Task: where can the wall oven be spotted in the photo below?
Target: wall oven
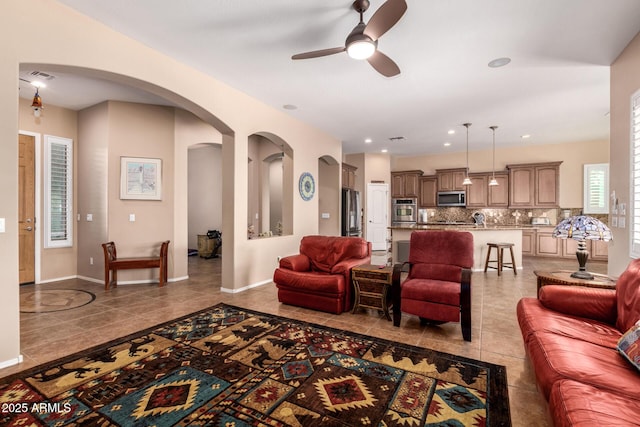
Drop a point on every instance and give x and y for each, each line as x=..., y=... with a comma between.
x=404, y=211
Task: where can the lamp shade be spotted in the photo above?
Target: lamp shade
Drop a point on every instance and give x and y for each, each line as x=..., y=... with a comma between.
x=582, y=227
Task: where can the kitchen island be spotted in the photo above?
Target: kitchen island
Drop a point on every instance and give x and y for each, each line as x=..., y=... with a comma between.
x=481, y=236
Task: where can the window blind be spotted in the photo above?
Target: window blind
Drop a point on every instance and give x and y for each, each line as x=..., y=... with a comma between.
x=58, y=187
x=596, y=188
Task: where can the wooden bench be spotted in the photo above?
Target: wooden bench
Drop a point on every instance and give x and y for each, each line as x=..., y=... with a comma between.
x=112, y=264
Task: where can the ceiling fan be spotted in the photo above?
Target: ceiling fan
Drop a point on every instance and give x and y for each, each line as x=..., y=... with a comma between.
x=362, y=42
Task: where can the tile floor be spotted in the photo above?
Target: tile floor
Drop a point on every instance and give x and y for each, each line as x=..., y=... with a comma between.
x=495, y=333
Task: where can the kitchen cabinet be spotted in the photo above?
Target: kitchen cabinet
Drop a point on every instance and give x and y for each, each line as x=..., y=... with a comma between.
x=534, y=185
x=546, y=244
x=405, y=183
x=478, y=191
x=481, y=195
x=529, y=242
x=451, y=179
x=598, y=250
x=348, y=176
x=499, y=194
x=428, y=191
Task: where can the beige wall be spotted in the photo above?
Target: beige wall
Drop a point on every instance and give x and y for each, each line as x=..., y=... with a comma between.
x=625, y=81
x=54, y=262
x=101, y=52
x=573, y=156
x=329, y=196
x=205, y=191
x=93, y=164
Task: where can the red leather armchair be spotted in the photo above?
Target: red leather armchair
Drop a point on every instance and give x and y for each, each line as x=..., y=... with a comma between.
x=438, y=287
x=319, y=277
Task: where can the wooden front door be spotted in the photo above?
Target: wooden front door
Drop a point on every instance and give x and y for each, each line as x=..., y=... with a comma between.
x=26, y=208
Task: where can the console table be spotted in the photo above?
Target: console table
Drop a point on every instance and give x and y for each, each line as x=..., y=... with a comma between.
x=372, y=283
x=563, y=277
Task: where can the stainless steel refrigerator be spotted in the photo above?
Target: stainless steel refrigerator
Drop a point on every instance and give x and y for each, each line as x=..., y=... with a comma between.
x=351, y=213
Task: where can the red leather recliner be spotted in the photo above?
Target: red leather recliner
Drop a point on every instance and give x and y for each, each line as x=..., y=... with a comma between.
x=319, y=277
x=438, y=288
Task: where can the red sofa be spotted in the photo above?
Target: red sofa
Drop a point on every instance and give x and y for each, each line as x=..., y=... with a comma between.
x=319, y=277
x=570, y=335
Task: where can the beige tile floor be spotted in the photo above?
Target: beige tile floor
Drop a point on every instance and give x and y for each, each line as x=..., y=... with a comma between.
x=495, y=333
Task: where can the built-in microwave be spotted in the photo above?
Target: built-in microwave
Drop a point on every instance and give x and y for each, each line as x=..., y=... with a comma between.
x=452, y=198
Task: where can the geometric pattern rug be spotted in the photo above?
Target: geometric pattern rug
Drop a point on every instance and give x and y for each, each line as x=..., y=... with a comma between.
x=228, y=366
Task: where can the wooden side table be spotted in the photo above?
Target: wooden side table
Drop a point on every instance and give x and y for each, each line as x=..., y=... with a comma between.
x=372, y=285
x=563, y=277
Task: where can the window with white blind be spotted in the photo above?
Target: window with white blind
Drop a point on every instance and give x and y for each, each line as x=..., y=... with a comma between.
x=596, y=188
x=635, y=175
x=58, y=192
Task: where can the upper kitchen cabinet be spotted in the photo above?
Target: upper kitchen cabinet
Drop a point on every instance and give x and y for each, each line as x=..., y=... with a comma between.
x=348, y=176
x=481, y=195
x=499, y=194
x=478, y=191
x=405, y=183
x=428, y=191
x=451, y=179
x=534, y=185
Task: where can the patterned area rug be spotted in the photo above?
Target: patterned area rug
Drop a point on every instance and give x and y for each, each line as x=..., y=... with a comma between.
x=227, y=366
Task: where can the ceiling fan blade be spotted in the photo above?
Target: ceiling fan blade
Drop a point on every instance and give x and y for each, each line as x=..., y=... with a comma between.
x=383, y=64
x=385, y=17
x=318, y=53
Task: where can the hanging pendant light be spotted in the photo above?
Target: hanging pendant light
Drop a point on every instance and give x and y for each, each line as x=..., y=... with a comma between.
x=493, y=181
x=37, y=104
x=467, y=180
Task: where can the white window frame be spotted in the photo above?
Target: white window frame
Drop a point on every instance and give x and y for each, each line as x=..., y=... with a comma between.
x=51, y=241
x=634, y=131
x=597, y=173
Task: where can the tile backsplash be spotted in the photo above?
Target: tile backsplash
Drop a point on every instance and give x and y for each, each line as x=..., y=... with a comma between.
x=505, y=216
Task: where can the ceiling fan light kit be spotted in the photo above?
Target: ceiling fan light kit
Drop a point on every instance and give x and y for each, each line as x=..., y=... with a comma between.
x=362, y=42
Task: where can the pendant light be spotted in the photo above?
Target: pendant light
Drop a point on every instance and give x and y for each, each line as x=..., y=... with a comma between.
x=37, y=104
x=467, y=180
x=493, y=181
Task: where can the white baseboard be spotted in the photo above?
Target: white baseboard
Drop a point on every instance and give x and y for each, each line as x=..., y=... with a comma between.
x=245, y=288
x=11, y=362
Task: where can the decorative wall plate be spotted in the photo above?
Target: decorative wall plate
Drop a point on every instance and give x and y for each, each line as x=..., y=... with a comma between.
x=307, y=186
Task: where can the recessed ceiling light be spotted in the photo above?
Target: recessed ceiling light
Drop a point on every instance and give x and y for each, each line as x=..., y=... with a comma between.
x=499, y=62
x=451, y=132
x=289, y=107
x=525, y=136
x=368, y=141
x=447, y=144
x=384, y=150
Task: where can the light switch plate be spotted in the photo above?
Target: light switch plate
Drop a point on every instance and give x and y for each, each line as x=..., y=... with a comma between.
x=325, y=215
x=132, y=217
x=89, y=217
x=2, y=227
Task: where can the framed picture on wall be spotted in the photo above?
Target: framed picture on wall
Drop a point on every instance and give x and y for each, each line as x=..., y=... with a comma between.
x=140, y=178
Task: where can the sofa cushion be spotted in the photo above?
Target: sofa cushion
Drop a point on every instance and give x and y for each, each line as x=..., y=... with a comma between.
x=449, y=273
x=629, y=345
x=534, y=317
x=581, y=301
x=556, y=356
x=572, y=403
x=435, y=291
x=628, y=296
x=326, y=251
x=319, y=283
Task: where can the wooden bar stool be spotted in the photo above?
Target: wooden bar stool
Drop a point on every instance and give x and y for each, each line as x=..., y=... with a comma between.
x=500, y=261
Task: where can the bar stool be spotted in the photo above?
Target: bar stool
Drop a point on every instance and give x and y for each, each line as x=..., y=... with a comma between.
x=500, y=261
